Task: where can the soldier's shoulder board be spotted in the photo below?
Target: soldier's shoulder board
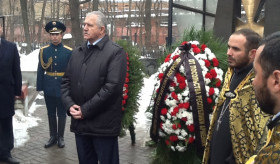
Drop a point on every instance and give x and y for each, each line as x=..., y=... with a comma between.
x=45, y=47
x=69, y=48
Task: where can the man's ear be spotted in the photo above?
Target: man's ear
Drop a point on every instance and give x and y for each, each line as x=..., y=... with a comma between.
x=276, y=80
x=252, y=54
x=103, y=29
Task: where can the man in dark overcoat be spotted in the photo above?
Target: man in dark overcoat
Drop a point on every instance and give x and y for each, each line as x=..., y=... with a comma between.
x=10, y=86
x=92, y=89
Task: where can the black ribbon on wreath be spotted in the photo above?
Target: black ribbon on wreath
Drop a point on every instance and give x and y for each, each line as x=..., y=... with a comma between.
x=159, y=100
x=198, y=98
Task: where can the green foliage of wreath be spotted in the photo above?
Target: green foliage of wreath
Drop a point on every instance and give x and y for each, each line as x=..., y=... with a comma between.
x=135, y=84
x=217, y=45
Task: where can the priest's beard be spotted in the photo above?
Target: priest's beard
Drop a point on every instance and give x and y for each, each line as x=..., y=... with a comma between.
x=265, y=99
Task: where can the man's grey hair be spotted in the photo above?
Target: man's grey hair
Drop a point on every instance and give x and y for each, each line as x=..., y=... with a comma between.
x=101, y=18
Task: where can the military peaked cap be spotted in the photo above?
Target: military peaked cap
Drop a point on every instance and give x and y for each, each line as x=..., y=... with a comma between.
x=55, y=27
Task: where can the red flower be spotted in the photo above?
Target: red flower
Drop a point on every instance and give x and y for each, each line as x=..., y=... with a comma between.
x=125, y=97
x=190, y=127
x=207, y=63
x=185, y=119
x=213, y=73
x=125, y=85
x=209, y=100
x=218, y=83
x=127, y=74
x=196, y=50
x=126, y=91
x=123, y=109
x=167, y=142
x=175, y=57
x=215, y=62
x=172, y=84
x=203, y=46
x=164, y=111
x=173, y=138
x=184, y=42
x=211, y=91
x=126, y=80
x=191, y=140
x=161, y=125
x=179, y=126
x=194, y=46
x=123, y=102
x=174, y=95
x=182, y=85
x=173, y=113
x=174, y=127
x=186, y=105
x=167, y=60
x=160, y=76
x=208, y=75
x=168, y=56
x=176, y=109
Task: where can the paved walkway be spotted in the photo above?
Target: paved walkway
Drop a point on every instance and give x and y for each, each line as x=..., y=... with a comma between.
x=33, y=151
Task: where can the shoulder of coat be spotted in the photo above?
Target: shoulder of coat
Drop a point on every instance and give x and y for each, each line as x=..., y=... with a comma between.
x=115, y=44
x=67, y=47
x=45, y=47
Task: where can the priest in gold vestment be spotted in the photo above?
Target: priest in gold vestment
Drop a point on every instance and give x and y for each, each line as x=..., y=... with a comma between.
x=238, y=123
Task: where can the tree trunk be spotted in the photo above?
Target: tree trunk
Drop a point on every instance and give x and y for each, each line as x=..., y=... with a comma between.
x=76, y=29
x=23, y=4
x=57, y=9
x=53, y=9
x=32, y=13
x=147, y=22
x=95, y=4
x=41, y=21
x=11, y=20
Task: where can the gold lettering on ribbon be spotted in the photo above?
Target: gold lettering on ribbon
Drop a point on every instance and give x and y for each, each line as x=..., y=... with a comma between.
x=199, y=101
x=161, y=91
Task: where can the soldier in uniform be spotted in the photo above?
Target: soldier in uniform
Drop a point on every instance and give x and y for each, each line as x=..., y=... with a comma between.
x=53, y=60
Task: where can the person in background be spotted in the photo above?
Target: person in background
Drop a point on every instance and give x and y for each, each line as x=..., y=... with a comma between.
x=53, y=60
x=10, y=86
x=238, y=124
x=92, y=90
x=267, y=88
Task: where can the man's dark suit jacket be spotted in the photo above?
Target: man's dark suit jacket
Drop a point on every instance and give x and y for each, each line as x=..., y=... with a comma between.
x=10, y=78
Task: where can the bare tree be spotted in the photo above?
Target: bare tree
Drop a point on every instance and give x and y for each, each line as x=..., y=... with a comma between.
x=57, y=9
x=147, y=21
x=32, y=17
x=140, y=7
x=157, y=9
x=129, y=20
x=75, y=19
x=41, y=21
x=95, y=4
x=23, y=4
x=11, y=19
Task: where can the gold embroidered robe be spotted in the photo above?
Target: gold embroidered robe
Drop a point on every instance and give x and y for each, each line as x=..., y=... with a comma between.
x=247, y=121
x=270, y=153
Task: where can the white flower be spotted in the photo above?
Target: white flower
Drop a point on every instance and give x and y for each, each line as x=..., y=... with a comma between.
x=181, y=148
